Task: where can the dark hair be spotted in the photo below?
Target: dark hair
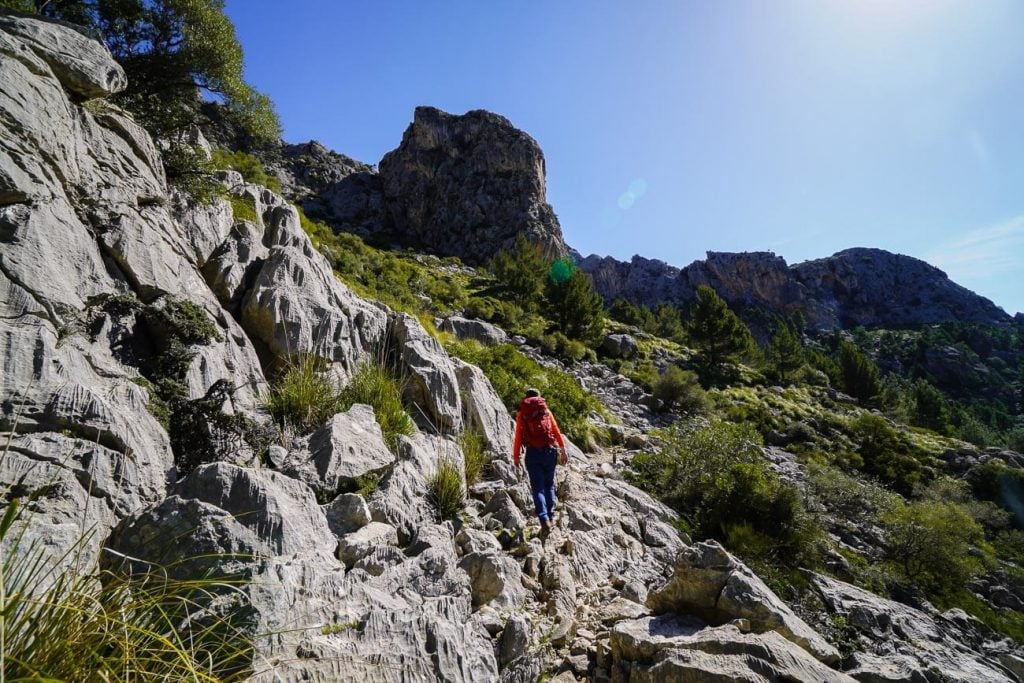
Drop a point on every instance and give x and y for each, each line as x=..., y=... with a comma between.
x=532, y=393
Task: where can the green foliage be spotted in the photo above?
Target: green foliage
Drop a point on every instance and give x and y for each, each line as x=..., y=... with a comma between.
x=715, y=330
x=250, y=167
x=445, y=490
x=406, y=283
x=100, y=625
x=858, y=374
x=999, y=483
x=522, y=271
x=474, y=454
x=511, y=372
x=374, y=385
x=174, y=52
x=303, y=397
x=888, y=455
x=632, y=314
x=931, y=409
x=929, y=544
x=243, y=209
x=720, y=483
x=785, y=353
x=678, y=388
x=575, y=307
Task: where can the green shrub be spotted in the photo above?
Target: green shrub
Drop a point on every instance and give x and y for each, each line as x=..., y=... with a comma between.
x=101, y=625
x=677, y=388
x=511, y=373
x=718, y=480
x=999, y=483
x=847, y=497
x=445, y=488
x=474, y=454
x=374, y=385
x=250, y=167
x=888, y=455
x=929, y=544
x=858, y=374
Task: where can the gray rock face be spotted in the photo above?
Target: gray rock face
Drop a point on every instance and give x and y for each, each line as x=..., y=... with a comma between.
x=480, y=330
x=83, y=65
x=708, y=582
x=350, y=445
x=495, y=579
x=669, y=648
x=905, y=644
x=412, y=614
x=431, y=384
x=427, y=182
x=483, y=410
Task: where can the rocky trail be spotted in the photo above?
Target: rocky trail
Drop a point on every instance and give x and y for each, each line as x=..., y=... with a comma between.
x=353, y=586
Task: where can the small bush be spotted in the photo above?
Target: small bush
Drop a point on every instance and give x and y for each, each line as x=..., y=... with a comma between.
x=679, y=388
x=250, y=167
x=474, y=454
x=375, y=386
x=929, y=544
x=888, y=455
x=720, y=483
x=445, y=488
x=303, y=397
x=243, y=209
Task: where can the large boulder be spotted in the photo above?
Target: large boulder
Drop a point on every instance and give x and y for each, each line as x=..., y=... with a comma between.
x=709, y=582
x=468, y=328
x=467, y=186
x=669, y=648
x=348, y=447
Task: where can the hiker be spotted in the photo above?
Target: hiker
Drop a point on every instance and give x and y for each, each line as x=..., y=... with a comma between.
x=537, y=430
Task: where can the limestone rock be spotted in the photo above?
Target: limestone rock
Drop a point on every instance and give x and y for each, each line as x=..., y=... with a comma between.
x=515, y=638
x=708, y=582
x=483, y=410
x=349, y=446
x=427, y=178
x=619, y=346
x=83, y=65
x=908, y=645
x=495, y=579
x=669, y=648
x=348, y=512
x=432, y=384
x=358, y=544
x=438, y=536
x=480, y=330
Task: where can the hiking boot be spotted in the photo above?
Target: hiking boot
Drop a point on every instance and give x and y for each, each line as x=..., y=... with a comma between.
x=545, y=528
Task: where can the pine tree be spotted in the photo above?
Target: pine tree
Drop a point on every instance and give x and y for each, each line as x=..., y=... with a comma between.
x=858, y=373
x=575, y=307
x=522, y=271
x=785, y=353
x=715, y=330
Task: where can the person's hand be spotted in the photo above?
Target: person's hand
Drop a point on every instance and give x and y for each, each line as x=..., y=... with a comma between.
x=563, y=456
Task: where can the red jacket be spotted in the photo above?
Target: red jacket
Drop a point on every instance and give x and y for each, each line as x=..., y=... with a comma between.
x=517, y=444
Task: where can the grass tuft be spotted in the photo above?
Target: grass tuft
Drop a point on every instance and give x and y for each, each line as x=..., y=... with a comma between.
x=474, y=454
x=375, y=386
x=99, y=625
x=445, y=487
x=303, y=397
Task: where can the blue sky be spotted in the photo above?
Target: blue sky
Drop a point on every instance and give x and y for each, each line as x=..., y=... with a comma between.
x=672, y=128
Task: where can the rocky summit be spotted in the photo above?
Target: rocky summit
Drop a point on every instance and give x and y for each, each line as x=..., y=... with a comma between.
x=143, y=335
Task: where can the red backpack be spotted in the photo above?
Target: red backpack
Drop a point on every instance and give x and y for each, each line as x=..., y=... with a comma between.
x=538, y=427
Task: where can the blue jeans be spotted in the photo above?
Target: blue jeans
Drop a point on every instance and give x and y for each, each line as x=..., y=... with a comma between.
x=540, y=464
